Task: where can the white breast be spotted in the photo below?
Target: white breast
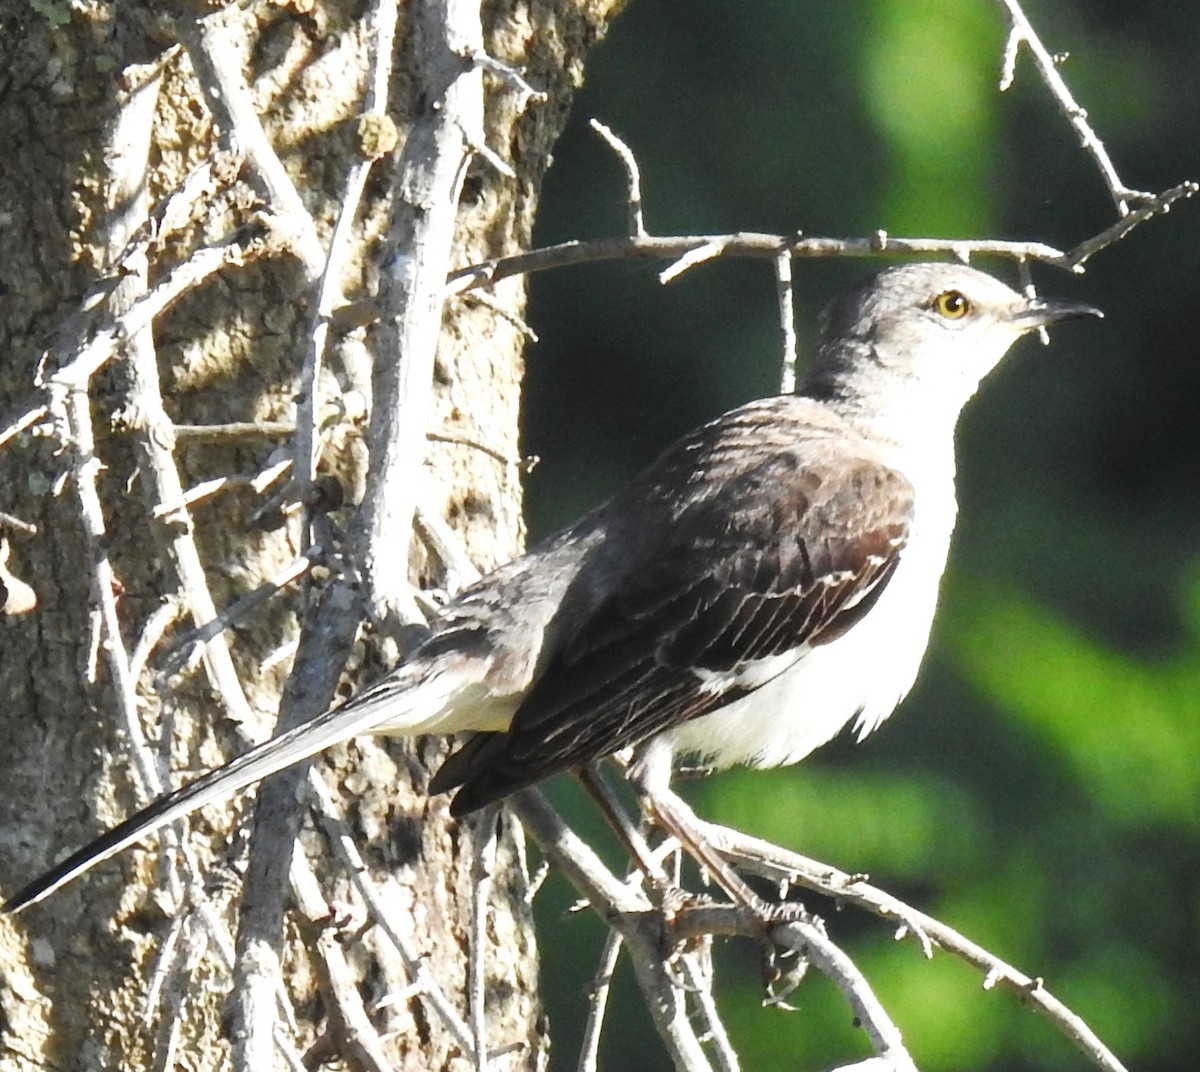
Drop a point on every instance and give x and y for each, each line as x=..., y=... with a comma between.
x=865, y=673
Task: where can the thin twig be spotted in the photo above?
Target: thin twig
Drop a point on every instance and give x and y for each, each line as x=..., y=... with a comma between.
x=344, y=848
x=204, y=194
x=649, y=864
x=358, y=1035
x=215, y=46
x=502, y=311
x=1151, y=206
x=808, y=938
x=163, y=617
x=1022, y=33
x=706, y=252
x=506, y=72
x=258, y=482
x=382, y=25
x=82, y=365
x=152, y=430
x=589, y=1050
x=521, y=464
x=627, y=908
x=740, y=244
x=1025, y=274
x=787, y=322
x=483, y=864
x=633, y=177
x=444, y=542
x=16, y=524
x=86, y=467
x=216, y=433
x=16, y=425
x=164, y=958
x=208, y=632
x=781, y=864
x=168, y=987
x=699, y=982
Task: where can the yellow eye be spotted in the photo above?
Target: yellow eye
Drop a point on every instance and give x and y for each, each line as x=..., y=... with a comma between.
x=952, y=305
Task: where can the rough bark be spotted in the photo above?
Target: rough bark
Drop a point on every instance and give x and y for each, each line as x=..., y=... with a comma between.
x=75, y=972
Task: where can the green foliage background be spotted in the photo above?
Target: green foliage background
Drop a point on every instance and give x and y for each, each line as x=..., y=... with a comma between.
x=1040, y=790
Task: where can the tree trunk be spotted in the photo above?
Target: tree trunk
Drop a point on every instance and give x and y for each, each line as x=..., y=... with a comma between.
x=106, y=119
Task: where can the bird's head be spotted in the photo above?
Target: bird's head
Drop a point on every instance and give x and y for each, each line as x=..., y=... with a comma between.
x=928, y=333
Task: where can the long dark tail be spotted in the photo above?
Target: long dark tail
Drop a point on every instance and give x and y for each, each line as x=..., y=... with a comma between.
x=396, y=704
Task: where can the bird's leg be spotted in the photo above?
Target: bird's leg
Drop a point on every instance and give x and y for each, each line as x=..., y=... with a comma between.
x=667, y=810
x=649, y=775
x=663, y=810
x=628, y=834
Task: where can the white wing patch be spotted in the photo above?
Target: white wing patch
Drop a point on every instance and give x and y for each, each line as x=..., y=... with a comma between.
x=802, y=698
x=749, y=675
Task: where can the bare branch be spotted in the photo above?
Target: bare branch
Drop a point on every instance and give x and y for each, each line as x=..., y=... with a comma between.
x=346, y=850
x=483, y=863
x=258, y=483
x=1022, y=33
x=442, y=540
x=216, y=433
x=782, y=865
x=740, y=244
x=699, y=984
x=626, y=908
x=16, y=524
x=698, y=255
x=214, y=44
x=412, y=291
x=1151, y=206
x=208, y=631
x=787, y=322
x=633, y=176
x=808, y=938
x=81, y=366
x=488, y=302
x=329, y=294
x=16, y=425
x=153, y=432
x=324, y=641
x=521, y=464
x=357, y=1033
x=512, y=76
x=168, y=985
x=589, y=1050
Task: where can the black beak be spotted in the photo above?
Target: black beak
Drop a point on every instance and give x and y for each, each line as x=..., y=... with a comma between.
x=1039, y=313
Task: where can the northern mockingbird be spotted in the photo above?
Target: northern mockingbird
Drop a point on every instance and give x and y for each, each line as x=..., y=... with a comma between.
x=771, y=578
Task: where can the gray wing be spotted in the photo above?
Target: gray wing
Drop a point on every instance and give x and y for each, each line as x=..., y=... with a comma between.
x=773, y=563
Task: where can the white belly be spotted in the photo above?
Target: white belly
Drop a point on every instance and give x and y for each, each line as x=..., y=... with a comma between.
x=864, y=674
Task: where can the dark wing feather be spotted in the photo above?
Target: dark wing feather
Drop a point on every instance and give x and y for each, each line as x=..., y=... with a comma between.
x=774, y=562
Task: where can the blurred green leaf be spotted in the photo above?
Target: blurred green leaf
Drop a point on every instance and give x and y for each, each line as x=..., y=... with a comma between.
x=901, y=826
x=1127, y=727
x=929, y=74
